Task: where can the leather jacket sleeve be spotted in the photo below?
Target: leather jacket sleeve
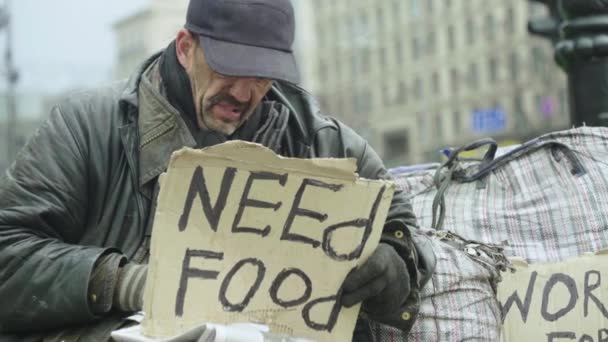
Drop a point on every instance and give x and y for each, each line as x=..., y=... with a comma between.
x=43, y=206
x=400, y=229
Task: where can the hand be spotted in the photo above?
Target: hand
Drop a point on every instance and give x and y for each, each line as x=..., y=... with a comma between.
x=382, y=283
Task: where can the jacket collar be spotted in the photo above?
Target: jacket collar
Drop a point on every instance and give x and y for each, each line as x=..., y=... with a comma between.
x=162, y=131
x=129, y=94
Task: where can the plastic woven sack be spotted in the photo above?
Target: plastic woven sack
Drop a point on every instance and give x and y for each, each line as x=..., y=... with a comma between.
x=545, y=200
x=458, y=303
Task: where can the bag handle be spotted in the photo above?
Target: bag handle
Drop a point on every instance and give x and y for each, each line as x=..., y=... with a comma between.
x=442, y=182
x=487, y=157
x=486, y=167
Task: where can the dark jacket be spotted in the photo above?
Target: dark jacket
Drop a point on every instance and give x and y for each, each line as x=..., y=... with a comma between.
x=83, y=186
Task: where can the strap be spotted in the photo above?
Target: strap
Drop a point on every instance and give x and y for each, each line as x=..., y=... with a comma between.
x=443, y=179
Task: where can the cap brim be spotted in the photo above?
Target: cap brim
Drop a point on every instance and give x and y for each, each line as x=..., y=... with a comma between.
x=232, y=59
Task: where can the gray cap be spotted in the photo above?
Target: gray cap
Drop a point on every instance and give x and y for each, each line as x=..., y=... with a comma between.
x=246, y=38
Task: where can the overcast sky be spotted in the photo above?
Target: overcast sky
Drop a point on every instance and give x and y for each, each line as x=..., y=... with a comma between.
x=61, y=44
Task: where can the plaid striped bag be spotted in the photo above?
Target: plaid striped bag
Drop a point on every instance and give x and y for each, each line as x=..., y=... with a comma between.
x=459, y=302
x=546, y=200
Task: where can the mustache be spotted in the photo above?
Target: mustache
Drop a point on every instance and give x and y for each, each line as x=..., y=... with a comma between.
x=223, y=97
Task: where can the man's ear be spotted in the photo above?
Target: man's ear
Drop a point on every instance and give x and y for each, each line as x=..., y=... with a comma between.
x=184, y=46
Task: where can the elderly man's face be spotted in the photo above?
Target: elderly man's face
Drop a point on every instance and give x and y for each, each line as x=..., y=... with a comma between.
x=222, y=103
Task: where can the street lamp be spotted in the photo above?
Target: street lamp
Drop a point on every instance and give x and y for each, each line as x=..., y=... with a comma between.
x=579, y=31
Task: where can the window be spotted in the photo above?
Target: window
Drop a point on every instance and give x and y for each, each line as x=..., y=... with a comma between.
x=473, y=75
x=451, y=37
x=341, y=30
x=355, y=62
x=431, y=42
x=423, y=129
x=439, y=134
x=398, y=49
x=470, y=28
x=454, y=81
x=323, y=70
x=537, y=103
x=352, y=28
x=337, y=68
x=457, y=122
x=323, y=102
x=387, y=98
x=414, y=8
x=514, y=66
x=396, y=145
x=338, y=103
x=489, y=26
x=416, y=48
x=362, y=101
x=383, y=58
x=397, y=11
x=510, y=20
x=518, y=103
x=418, y=91
x=401, y=92
x=435, y=82
x=364, y=22
x=538, y=60
x=519, y=111
x=365, y=61
x=380, y=18
x=335, y=37
x=496, y=104
x=493, y=69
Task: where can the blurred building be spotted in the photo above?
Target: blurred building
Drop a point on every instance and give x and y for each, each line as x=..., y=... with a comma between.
x=411, y=76
x=33, y=110
x=306, y=44
x=147, y=31
x=154, y=26
x=418, y=75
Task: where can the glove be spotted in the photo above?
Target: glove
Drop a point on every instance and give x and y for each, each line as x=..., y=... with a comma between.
x=382, y=283
x=129, y=292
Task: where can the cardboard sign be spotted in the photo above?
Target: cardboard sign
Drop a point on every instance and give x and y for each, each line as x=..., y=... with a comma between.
x=565, y=301
x=242, y=235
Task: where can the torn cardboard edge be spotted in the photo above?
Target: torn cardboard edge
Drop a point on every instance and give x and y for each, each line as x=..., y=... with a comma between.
x=242, y=152
x=518, y=261
x=200, y=238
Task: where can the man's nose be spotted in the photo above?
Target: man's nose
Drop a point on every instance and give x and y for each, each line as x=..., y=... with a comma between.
x=242, y=89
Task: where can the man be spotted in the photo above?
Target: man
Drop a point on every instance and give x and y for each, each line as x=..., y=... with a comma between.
x=75, y=207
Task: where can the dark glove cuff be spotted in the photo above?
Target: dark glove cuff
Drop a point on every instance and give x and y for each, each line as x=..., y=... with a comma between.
x=414, y=247
x=402, y=319
x=400, y=236
x=102, y=283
